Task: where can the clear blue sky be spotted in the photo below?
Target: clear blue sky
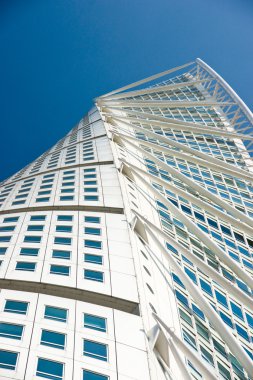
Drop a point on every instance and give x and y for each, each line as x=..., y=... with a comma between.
x=57, y=55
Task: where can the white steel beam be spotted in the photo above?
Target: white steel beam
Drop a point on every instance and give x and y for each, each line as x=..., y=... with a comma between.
x=162, y=103
x=207, y=159
x=167, y=151
x=176, y=344
x=184, y=126
x=193, y=199
x=194, y=185
x=202, y=236
x=146, y=80
x=156, y=89
x=212, y=316
x=233, y=291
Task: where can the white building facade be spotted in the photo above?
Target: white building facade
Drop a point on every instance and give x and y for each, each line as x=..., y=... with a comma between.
x=126, y=249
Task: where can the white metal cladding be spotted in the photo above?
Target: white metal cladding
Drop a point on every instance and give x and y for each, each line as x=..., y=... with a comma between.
x=142, y=218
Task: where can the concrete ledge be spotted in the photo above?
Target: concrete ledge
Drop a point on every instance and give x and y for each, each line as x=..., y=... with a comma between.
x=72, y=293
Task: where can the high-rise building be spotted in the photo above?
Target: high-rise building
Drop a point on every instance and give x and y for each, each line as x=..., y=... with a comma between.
x=126, y=249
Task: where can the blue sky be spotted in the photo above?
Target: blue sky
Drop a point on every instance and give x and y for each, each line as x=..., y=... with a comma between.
x=57, y=55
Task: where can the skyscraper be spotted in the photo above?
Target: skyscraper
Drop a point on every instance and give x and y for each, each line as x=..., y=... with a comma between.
x=126, y=249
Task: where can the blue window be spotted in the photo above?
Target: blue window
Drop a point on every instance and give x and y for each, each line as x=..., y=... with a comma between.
x=53, y=339
x=242, y=332
x=11, y=331
x=92, y=219
x=88, y=375
x=67, y=198
x=29, y=251
x=182, y=298
x=55, y=313
x=5, y=238
x=92, y=231
x=94, y=322
x=93, y=244
x=44, y=199
x=11, y=219
x=49, y=369
x=65, y=218
x=89, y=170
x=212, y=223
x=35, y=228
x=17, y=307
x=249, y=320
x=8, y=360
x=63, y=229
x=32, y=239
x=36, y=218
x=59, y=254
x=95, y=259
x=198, y=312
x=95, y=350
x=226, y=319
x=236, y=310
x=7, y=228
x=59, y=270
x=93, y=275
x=70, y=190
x=3, y=250
x=91, y=198
x=68, y=184
x=62, y=240
x=191, y=274
x=221, y=298
x=25, y=266
x=205, y=286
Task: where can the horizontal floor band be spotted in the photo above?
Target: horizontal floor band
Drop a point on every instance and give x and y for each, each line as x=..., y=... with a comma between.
x=72, y=293
x=97, y=163
x=109, y=210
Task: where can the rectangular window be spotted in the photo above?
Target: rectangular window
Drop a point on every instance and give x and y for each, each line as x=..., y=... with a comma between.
x=16, y=307
x=59, y=269
x=32, y=239
x=95, y=350
x=29, y=251
x=63, y=229
x=93, y=244
x=25, y=266
x=92, y=219
x=8, y=360
x=11, y=331
x=92, y=231
x=94, y=259
x=91, y=198
x=5, y=238
x=93, y=275
x=7, y=228
x=59, y=254
x=38, y=218
x=88, y=375
x=49, y=369
x=53, y=339
x=65, y=218
x=67, y=190
x=44, y=199
x=62, y=240
x=35, y=228
x=90, y=189
x=3, y=250
x=67, y=198
x=55, y=313
x=11, y=219
x=94, y=322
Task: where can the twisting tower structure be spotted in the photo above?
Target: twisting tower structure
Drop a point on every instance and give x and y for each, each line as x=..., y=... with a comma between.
x=127, y=247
